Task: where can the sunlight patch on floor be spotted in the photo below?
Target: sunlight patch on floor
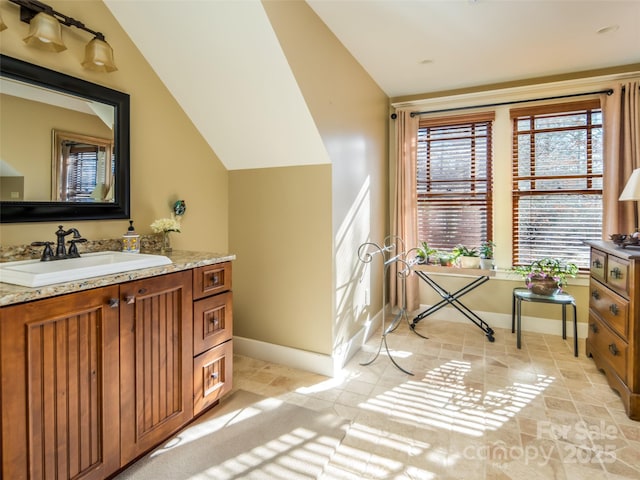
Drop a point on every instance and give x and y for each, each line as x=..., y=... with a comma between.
x=442, y=399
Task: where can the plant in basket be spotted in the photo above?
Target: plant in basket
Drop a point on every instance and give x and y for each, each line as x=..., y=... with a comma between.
x=546, y=276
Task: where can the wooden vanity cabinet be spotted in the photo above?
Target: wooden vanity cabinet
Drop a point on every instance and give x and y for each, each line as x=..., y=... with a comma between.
x=60, y=400
x=614, y=320
x=156, y=355
x=93, y=380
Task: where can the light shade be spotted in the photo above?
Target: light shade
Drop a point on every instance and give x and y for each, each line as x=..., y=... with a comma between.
x=45, y=32
x=98, y=56
x=632, y=188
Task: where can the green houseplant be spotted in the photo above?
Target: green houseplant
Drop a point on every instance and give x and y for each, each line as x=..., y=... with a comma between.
x=424, y=252
x=468, y=257
x=486, y=255
x=546, y=276
x=445, y=259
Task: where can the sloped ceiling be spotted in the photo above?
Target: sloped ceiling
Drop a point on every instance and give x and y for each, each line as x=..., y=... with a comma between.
x=222, y=62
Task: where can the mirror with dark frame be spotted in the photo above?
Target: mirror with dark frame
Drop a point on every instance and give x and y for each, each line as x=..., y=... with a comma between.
x=39, y=182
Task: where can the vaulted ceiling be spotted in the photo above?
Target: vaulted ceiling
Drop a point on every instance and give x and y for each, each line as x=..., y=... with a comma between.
x=224, y=56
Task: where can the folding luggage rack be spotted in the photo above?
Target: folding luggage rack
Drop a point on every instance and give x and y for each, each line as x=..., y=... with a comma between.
x=479, y=277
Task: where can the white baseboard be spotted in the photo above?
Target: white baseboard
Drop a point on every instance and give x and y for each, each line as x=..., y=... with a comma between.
x=503, y=320
x=329, y=365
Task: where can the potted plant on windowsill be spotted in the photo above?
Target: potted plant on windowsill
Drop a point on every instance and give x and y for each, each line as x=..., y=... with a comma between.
x=445, y=259
x=546, y=276
x=467, y=257
x=424, y=253
x=486, y=255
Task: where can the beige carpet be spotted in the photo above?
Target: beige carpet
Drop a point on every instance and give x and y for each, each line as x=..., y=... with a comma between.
x=248, y=437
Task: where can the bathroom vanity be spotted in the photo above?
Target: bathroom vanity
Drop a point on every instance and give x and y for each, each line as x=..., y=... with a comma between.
x=96, y=373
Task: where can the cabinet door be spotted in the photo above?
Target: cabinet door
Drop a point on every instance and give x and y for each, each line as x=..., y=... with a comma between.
x=59, y=366
x=156, y=341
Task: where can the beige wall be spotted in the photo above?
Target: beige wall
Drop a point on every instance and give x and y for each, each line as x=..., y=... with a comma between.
x=169, y=158
x=280, y=230
x=349, y=111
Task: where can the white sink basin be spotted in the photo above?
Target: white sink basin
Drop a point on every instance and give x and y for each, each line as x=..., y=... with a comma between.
x=34, y=273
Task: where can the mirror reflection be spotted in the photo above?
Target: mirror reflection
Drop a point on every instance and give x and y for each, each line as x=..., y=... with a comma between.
x=77, y=166
x=82, y=168
x=37, y=103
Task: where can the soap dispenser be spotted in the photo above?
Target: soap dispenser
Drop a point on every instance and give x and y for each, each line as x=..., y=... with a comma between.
x=131, y=240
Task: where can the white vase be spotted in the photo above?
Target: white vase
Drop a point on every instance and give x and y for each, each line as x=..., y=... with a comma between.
x=469, y=262
x=486, y=263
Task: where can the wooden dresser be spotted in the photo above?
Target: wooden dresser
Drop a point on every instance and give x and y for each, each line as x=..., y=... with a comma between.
x=614, y=320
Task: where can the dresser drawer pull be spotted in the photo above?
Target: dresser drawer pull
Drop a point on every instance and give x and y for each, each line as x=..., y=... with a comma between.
x=597, y=263
x=114, y=302
x=594, y=327
x=613, y=349
x=616, y=273
x=613, y=308
x=595, y=294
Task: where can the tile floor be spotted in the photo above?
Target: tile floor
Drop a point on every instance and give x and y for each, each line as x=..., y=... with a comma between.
x=472, y=410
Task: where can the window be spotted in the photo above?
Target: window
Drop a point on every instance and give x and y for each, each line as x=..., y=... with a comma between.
x=557, y=181
x=84, y=168
x=454, y=180
x=81, y=174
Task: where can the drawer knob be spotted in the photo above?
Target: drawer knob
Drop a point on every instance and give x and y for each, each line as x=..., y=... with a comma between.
x=130, y=299
x=613, y=349
x=594, y=327
x=214, y=375
x=597, y=263
x=114, y=302
x=613, y=308
x=595, y=294
x=616, y=273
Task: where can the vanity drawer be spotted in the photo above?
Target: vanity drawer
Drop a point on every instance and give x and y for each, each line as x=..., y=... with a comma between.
x=212, y=321
x=611, y=348
x=598, y=265
x=212, y=376
x=211, y=279
x=618, y=275
x=610, y=307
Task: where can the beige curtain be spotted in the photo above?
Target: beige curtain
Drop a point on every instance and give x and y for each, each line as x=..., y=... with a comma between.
x=621, y=148
x=405, y=217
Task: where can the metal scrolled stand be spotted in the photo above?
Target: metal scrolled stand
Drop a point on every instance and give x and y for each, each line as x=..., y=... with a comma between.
x=366, y=253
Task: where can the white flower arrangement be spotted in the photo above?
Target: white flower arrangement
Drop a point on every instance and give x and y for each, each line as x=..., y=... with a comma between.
x=165, y=225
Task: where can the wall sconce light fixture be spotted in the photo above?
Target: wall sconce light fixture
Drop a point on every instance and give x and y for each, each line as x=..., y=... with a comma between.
x=45, y=32
x=632, y=192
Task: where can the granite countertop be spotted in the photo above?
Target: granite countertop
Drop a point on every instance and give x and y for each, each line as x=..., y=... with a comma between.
x=182, y=260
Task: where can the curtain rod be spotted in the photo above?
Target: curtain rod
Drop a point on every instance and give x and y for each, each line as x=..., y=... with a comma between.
x=513, y=102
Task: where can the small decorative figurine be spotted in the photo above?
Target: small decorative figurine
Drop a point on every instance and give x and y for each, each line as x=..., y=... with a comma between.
x=180, y=207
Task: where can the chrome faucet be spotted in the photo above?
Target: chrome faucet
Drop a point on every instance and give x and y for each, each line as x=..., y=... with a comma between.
x=61, y=251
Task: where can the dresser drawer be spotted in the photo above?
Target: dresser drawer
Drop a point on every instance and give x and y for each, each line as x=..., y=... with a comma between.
x=212, y=321
x=608, y=346
x=211, y=279
x=598, y=265
x=611, y=307
x=618, y=275
x=212, y=376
